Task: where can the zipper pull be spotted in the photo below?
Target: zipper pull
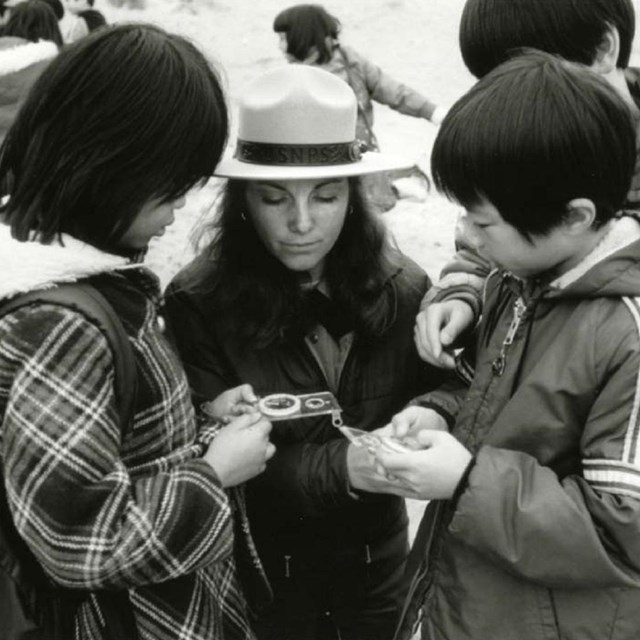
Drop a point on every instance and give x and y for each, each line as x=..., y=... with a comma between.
x=287, y=573
x=499, y=364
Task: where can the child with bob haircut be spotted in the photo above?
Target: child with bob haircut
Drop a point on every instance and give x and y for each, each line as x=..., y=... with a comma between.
x=98, y=161
x=597, y=33
x=534, y=526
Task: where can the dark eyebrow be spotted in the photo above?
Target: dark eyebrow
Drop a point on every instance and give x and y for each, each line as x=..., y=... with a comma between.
x=327, y=182
x=267, y=183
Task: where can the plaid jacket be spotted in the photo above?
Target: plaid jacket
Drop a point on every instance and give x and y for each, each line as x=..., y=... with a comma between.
x=142, y=513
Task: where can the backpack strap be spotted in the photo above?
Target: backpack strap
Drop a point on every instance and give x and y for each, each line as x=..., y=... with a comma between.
x=87, y=300
x=15, y=559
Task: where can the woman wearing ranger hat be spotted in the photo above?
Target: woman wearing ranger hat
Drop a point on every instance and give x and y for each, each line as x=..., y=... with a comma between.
x=300, y=291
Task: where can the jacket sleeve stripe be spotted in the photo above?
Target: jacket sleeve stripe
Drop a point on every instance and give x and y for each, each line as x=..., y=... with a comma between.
x=613, y=477
x=630, y=452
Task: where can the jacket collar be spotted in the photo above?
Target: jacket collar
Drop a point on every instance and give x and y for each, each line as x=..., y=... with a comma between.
x=29, y=266
x=601, y=268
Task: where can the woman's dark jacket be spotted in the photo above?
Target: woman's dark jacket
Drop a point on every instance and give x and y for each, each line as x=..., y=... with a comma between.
x=302, y=506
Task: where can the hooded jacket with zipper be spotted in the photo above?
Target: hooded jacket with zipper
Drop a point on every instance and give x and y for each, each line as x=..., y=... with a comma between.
x=140, y=512
x=463, y=277
x=543, y=538
x=305, y=519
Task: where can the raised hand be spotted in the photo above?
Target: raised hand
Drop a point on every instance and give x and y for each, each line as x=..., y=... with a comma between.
x=437, y=328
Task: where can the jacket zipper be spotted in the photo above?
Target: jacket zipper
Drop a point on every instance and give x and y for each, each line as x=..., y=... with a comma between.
x=519, y=308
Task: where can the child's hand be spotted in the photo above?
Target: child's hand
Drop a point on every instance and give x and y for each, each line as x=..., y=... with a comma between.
x=233, y=402
x=406, y=425
x=432, y=473
x=241, y=449
x=437, y=328
x=364, y=473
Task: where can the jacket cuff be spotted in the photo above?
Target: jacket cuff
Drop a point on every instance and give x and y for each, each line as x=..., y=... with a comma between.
x=441, y=411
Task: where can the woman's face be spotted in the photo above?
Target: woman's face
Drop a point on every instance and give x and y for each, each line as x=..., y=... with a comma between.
x=299, y=221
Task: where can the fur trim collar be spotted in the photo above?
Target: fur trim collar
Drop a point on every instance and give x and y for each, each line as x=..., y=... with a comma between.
x=24, y=55
x=623, y=232
x=29, y=266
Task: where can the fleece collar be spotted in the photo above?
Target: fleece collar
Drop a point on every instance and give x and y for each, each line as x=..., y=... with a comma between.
x=612, y=267
x=29, y=266
x=24, y=55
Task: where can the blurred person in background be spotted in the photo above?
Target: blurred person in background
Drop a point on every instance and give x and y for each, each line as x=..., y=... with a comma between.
x=309, y=35
x=30, y=40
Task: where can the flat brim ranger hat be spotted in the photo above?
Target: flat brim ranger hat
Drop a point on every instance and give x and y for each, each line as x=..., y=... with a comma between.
x=297, y=122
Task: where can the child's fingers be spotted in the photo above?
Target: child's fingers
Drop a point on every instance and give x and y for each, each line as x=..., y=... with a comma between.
x=271, y=449
x=393, y=462
x=246, y=395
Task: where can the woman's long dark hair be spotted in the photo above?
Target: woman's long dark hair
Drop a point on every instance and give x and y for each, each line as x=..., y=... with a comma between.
x=262, y=301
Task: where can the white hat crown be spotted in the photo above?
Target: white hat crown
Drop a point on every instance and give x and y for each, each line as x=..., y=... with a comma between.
x=298, y=104
x=299, y=121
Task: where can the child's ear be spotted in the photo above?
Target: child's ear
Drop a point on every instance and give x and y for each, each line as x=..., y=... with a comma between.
x=580, y=216
x=607, y=53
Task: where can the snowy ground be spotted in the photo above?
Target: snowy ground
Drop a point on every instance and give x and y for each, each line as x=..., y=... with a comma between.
x=415, y=41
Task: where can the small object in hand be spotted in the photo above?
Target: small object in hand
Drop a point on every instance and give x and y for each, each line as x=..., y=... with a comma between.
x=372, y=441
x=278, y=405
x=288, y=406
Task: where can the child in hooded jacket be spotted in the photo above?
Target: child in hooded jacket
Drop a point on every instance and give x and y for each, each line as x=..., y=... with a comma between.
x=533, y=530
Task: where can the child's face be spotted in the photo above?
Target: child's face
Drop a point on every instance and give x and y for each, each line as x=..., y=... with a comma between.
x=150, y=223
x=502, y=243
x=76, y=6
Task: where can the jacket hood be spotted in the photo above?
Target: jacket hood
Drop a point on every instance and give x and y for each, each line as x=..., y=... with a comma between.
x=611, y=269
x=29, y=266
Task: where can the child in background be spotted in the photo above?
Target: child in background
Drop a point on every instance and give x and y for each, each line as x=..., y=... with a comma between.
x=29, y=41
x=309, y=35
x=74, y=25
x=97, y=163
x=93, y=18
x=534, y=526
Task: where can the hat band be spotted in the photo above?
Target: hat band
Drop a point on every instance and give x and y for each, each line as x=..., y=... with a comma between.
x=298, y=155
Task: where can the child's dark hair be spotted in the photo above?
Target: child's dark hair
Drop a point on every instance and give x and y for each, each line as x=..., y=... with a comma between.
x=307, y=26
x=33, y=20
x=125, y=115
x=57, y=7
x=532, y=135
x=573, y=29
x=262, y=299
x=94, y=19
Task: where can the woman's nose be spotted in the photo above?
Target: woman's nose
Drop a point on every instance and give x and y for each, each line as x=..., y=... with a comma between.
x=300, y=221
